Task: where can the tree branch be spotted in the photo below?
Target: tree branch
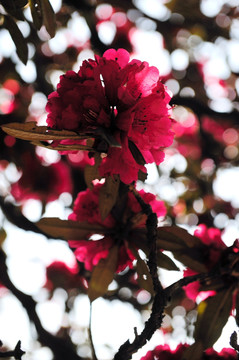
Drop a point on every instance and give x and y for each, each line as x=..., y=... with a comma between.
x=17, y=353
x=63, y=349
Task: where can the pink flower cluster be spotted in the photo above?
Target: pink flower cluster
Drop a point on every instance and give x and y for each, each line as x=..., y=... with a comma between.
x=86, y=208
x=212, y=238
x=124, y=99
x=45, y=183
x=60, y=275
x=163, y=352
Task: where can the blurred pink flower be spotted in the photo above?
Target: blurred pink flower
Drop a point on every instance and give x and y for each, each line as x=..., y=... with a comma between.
x=45, y=183
x=163, y=352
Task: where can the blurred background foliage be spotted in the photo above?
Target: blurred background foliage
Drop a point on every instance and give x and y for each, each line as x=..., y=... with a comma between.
x=195, y=45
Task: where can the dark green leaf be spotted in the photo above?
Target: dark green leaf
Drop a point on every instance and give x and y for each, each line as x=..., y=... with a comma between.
x=185, y=247
x=21, y=3
x=213, y=314
x=166, y=262
x=17, y=37
x=67, y=229
x=194, y=352
x=139, y=239
x=108, y=195
x=103, y=274
x=191, y=258
x=49, y=18
x=144, y=277
x=36, y=13
x=14, y=8
x=8, y=4
x=178, y=236
x=91, y=172
x=138, y=157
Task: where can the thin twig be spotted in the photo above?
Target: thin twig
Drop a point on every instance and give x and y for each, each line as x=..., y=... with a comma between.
x=17, y=353
x=62, y=348
x=233, y=343
x=90, y=335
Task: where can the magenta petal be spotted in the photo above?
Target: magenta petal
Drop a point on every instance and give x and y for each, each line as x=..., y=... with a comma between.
x=120, y=55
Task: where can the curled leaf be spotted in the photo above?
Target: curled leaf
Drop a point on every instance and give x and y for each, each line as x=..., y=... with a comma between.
x=31, y=131
x=17, y=37
x=103, y=274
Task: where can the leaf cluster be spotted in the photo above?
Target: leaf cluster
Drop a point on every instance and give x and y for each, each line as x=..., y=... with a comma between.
x=13, y=11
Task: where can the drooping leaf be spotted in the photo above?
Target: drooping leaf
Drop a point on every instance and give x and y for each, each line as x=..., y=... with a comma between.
x=213, y=314
x=91, y=172
x=68, y=229
x=103, y=274
x=139, y=239
x=144, y=277
x=36, y=13
x=49, y=17
x=191, y=258
x=165, y=262
x=177, y=235
x=17, y=37
x=185, y=247
x=216, y=284
x=194, y=352
x=108, y=195
x=14, y=8
x=138, y=157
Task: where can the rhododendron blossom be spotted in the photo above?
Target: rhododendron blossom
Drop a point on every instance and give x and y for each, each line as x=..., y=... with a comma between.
x=59, y=274
x=118, y=98
x=215, y=246
x=45, y=183
x=163, y=352
x=119, y=230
